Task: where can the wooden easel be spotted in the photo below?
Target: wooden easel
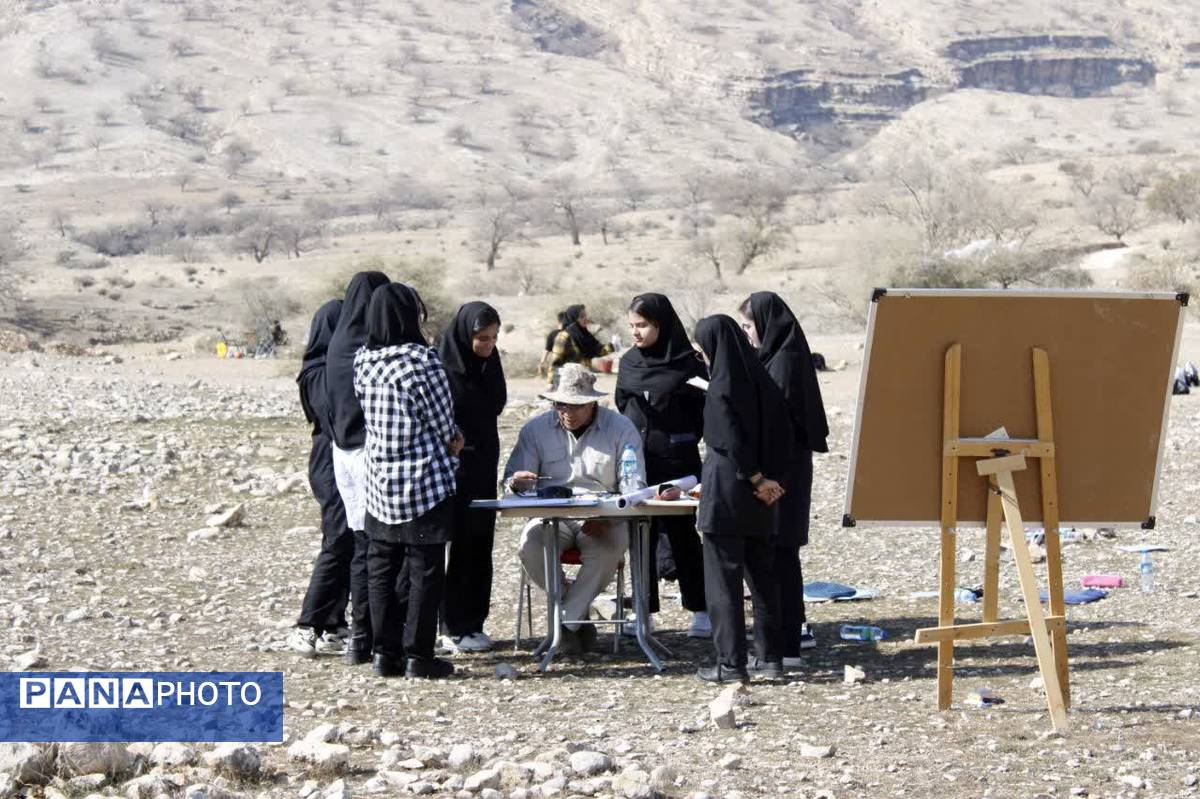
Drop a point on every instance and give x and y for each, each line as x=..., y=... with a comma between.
x=997, y=459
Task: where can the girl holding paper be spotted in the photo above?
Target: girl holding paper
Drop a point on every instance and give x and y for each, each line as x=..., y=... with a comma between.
x=783, y=350
x=653, y=393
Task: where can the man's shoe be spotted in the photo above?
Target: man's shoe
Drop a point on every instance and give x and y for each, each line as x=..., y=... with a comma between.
x=701, y=625
x=303, y=640
x=332, y=642
x=765, y=669
x=793, y=663
x=358, y=652
x=807, y=639
x=722, y=674
x=385, y=666
x=428, y=669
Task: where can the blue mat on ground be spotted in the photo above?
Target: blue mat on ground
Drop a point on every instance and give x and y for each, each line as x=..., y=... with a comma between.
x=1079, y=597
x=819, y=591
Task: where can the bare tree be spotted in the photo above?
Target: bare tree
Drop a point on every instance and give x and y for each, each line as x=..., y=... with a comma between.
x=484, y=82
x=1083, y=177
x=567, y=199
x=707, y=248
x=338, y=134
x=460, y=135
x=12, y=249
x=184, y=178
x=1113, y=213
x=104, y=116
x=257, y=231
x=757, y=202
x=237, y=154
x=1176, y=196
x=60, y=221
x=156, y=209
x=229, y=200
x=1131, y=180
x=42, y=103
x=96, y=140
x=300, y=234
x=498, y=223
x=182, y=47
x=633, y=191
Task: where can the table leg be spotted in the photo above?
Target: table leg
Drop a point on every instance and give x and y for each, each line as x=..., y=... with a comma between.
x=639, y=543
x=550, y=558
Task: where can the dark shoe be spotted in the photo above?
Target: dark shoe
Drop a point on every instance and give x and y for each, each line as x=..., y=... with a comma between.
x=428, y=669
x=722, y=674
x=570, y=644
x=587, y=637
x=385, y=666
x=357, y=652
x=807, y=639
x=765, y=669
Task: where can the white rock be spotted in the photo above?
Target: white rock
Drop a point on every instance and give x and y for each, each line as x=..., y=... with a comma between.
x=171, y=755
x=235, y=760
x=75, y=759
x=230, y=518
x=851, y=675
x=816, y=750
x=27, y=661
x=721, y=709
x=203, y=534
x=323, y=733
x=505, y=671
x=305, y=530
x=461, y=756
x=1133, y=781
x=662, y=778
x=731, y=762
x=588, y=763
x=150, y=786
x=321, y=755
x=336, y=790
x=488, y=778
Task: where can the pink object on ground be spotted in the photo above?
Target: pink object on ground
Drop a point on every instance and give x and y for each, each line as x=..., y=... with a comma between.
x=1103, y=581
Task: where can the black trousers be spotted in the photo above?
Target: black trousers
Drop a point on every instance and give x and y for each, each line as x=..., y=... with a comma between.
x=469, y=573
x=406, y=584
x=324, y=605
x=682, y=555
x=728, y=560
x=790, y=576
x=361, y=632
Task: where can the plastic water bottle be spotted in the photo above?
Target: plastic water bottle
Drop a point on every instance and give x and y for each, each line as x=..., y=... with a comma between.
x=1147, y=570
x=965, y=595
x=629, y=469
x=861, y=632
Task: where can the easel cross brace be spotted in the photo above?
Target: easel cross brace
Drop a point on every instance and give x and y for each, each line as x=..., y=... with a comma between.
x=997, y=463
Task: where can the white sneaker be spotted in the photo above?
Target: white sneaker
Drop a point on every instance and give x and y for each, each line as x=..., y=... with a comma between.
x=807, y=639
x=304, y=641
x=332, y=643
x=474, y=642
x=793, y=663
x=701, y=625
x=630, y=628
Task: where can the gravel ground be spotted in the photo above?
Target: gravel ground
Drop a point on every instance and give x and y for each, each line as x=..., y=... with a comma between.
x=107, y=466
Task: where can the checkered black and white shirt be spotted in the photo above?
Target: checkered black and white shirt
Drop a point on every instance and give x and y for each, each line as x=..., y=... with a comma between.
x=409, y=415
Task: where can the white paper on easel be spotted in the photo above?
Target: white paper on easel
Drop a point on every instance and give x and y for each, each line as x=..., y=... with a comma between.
x=698, y=382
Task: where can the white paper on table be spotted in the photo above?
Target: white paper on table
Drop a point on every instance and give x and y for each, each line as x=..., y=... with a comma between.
x=698, y=382
x=684, y=484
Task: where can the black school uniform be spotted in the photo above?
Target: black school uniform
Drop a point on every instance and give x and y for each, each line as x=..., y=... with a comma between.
x=325, y=601
x=652, y=392
x=747, y=431
x=480, y=393
x=785, y=354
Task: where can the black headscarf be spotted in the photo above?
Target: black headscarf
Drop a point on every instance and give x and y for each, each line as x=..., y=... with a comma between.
x=745, y=417
x=394, y=317
x=657, y=371
x=350, y=334
x=479, y=381
x=585, y=342
x=784, y=352
x=319, y=333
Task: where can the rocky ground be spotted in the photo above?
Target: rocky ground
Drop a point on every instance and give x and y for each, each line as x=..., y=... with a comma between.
x=114, y=471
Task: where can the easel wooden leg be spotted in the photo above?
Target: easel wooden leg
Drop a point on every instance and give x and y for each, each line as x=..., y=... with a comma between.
x=991, y=558
x=1033, y=604
x=1050, y=518
x=950, y=429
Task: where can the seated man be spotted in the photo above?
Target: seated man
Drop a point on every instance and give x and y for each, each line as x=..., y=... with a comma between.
x=577, y=444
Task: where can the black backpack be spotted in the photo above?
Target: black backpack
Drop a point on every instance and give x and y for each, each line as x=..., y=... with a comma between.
x=818, y=361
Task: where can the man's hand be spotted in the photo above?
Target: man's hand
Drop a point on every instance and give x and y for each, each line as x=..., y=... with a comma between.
x=670, y=495
x=523, y=481
x=455, y=445
x=768, y=492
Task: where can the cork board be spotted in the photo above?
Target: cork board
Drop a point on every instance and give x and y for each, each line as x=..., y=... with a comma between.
x=1112, y=359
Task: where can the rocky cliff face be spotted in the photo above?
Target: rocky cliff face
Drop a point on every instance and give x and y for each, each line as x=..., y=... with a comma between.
x=1068, y=65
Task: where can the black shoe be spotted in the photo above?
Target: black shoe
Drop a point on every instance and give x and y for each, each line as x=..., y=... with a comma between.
x=722, y=674
x=358, y=652
x=385, y=666
x=587, y=637
x=765, y=669
x=428, y=669
x=807, y=639
x=570, y=644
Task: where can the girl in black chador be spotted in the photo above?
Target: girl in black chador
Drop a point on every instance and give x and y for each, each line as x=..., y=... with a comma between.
x=472, y=362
